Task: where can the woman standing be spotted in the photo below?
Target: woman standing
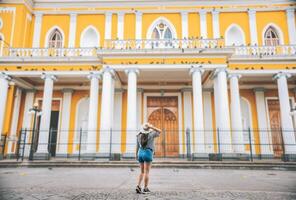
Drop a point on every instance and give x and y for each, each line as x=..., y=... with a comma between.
x=145, y=150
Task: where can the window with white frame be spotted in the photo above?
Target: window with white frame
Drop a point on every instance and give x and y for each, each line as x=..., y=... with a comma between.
x=271, y=37
x=162, y=31
x=55, y=39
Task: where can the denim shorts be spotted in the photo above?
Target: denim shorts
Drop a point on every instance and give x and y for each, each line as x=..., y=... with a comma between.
x=145, y=155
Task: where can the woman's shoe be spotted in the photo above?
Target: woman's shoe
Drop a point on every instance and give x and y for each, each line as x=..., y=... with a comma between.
x=146, y=191
x=138, y=190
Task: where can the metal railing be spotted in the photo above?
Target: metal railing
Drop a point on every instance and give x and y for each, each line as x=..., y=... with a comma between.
x=110, y=144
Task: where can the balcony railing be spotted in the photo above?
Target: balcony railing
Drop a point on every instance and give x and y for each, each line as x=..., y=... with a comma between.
x=147, y=46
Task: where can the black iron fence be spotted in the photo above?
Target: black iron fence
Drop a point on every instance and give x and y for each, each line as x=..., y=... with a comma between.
x=121, y=144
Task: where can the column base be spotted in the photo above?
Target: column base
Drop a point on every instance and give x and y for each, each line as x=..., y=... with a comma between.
x=215, y=157
x=115, y=157
x=265, y=156
x=289, y=157
x=128, y=156
x=41, y=156
x=88, y=156
x=10, y=156
x=62, y=155
x=200, y=156
x=236, y=156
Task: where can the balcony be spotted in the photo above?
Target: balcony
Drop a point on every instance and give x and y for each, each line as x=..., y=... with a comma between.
x=155, y=47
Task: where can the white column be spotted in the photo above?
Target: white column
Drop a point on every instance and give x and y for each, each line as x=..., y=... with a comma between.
x=139, y=107
x=253, y=27
x=286, y=118
x=216, y=24
x=265, y=140
x=184, y=16
x=187, y=97
x=46, y=114
x=120, y=25
x=108, y=25
x=132, y=129
x=4, y=81
x=106, y=110
x=208, y=121
x=139, y=25
x=65, y=123
x=27, y=119
x=291, y=25
x=236, y=115
x=116, y=128
x=223, y=111
x=294, y=106
x=203, y=24
x=198, y=110
x=72, y=31
x=93, y=113
x=15, y=118
x=37, y=30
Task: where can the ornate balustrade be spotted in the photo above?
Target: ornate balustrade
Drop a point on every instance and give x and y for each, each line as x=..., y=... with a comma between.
x=146, y=46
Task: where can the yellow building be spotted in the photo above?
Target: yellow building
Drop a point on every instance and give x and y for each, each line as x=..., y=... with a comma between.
x=216, y=76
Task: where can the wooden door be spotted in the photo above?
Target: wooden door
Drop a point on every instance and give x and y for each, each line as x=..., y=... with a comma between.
x=275, y=125
x=162, y=113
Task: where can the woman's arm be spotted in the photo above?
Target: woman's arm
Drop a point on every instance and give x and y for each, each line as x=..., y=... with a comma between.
x=155, y=128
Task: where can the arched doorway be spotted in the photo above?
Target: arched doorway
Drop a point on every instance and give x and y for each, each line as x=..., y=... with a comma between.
x=163, y=112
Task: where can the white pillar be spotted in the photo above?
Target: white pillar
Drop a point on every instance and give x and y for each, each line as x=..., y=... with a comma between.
x=93, y=114
x=72, y=31
x=139, y=25
x=198, y=110
x=291, y=25
x=139, y=107
x=294, y=106
x=15, y=118
x=223, y=111
x=37, y=30
x=264, y=135
x=4, y=81
x=27, y=119
x=253, y=27
x=132, y=129
x=236, y=115
x=286, y=118
x=187, y=109
x=62, y=149
x=108, y=25
x=106, y=110
x=184, y=16
x=116, y=128
x=203, y=24
x=216, y=24
x=42, y=149
x=120, y=25
x=208, y=121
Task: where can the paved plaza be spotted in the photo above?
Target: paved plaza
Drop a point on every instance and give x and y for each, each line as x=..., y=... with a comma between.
x=119, y=183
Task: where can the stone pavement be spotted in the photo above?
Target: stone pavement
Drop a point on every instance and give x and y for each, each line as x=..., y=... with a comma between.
x=119, y=183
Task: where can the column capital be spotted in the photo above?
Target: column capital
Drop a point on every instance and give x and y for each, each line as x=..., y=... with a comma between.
x=259, y=89
x=196, y=69
x=208, y=90
x=67, y=90
x=140, y=90
x=38, y=14
x=108, y=14
x=139, y=13
x=48, y=76
x=109, y=70
x=92, y=75
x=132, y=70
x=120, y=13
x=238, y=76
x=30, y=90
x=73, y=15
x=119, y=90
x=5, y=76
x=184, y=12
x=202, y=12
x=215, y=12
x=218, y=70
x=281, y=74
x=251, y=12
x=290, y=10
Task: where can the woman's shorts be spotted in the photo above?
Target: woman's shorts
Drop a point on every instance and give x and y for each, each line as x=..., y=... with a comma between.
x=145, y=155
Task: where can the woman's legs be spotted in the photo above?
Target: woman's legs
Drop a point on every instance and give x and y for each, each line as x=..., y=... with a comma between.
x=141, y=174
x=147, y=166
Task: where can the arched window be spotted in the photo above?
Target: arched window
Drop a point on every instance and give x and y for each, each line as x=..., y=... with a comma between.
x=82, y=110
x=55, y=39
x=234, y=36
x=1, y=44
x=162, y=31
x=271, y=37
x=90, y=38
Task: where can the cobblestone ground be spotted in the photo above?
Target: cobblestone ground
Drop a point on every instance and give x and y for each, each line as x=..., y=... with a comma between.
x=119, y=183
